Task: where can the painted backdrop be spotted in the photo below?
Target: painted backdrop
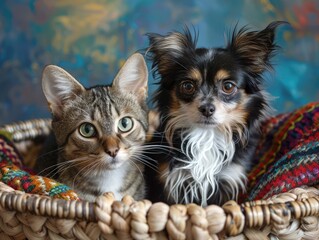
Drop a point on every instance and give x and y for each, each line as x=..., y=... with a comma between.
x=91, y=39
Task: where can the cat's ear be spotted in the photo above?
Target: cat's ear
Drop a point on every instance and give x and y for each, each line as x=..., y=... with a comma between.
x=59, y=86
x=133, y=77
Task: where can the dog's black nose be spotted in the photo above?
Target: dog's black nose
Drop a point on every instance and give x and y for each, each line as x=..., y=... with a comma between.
x=207, y=109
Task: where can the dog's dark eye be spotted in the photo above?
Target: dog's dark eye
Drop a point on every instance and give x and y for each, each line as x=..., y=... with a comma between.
x=187, y=87
x=229, y=87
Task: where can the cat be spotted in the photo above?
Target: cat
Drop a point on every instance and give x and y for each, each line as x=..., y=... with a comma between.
x=99, y=131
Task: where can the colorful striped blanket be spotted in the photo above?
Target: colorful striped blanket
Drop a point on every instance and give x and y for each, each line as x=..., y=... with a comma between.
x=13, y=174
x=287, y=155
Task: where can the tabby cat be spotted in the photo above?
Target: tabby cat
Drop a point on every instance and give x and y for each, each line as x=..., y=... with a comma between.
x=100, y=130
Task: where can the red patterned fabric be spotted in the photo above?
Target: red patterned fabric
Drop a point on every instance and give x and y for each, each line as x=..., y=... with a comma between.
x=287, y=155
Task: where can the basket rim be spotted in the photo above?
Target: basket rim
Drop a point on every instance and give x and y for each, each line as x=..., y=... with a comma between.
x=46, y=206
x=253, y=214
x=28, y=130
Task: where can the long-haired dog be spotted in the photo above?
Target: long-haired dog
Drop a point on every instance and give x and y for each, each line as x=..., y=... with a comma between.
x=211, y=102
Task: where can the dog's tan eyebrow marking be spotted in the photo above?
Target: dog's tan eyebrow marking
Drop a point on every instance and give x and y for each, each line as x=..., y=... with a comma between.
x=221, y=74
x=195, y=74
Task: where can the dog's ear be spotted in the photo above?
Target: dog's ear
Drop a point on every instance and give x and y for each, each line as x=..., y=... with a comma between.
x=166, y=51
x=254, y=49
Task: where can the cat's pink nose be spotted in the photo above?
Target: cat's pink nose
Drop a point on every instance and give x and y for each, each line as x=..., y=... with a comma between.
x=111, y=146
x=112, y=152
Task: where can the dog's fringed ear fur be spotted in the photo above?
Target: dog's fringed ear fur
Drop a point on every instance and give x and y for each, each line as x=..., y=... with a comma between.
x=164, y=50
x=254, y=49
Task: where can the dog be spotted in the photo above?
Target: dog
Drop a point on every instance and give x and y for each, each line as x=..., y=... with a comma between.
x=211, y=102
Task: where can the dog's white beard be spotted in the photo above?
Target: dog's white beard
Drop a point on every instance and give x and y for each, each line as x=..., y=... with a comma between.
x=210, y=151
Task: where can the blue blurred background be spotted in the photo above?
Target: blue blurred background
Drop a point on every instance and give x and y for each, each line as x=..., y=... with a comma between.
x=91, y=39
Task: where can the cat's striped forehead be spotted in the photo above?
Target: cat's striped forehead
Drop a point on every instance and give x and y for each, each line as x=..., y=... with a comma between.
x=105, y=104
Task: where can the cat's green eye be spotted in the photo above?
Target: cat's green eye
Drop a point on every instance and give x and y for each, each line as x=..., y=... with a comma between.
x=87, y=130
x=125, y=124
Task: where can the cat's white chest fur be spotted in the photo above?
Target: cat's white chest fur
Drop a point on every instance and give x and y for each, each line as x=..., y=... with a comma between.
x=111, y=180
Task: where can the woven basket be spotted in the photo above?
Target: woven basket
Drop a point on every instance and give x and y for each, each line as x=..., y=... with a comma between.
x=292, y=215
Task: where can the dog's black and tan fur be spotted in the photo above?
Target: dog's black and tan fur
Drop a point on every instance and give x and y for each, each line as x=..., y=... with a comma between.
x=211, y=102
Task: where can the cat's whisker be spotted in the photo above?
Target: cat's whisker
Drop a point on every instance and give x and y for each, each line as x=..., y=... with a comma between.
x=93, y=167
x=49, y=174
x=165, y=117
x=86, y=170
x=157, y=148
x=132, y=163
x=144, y=154
x=66, y=163
x=65, y=169
x=146, y=162
x=54, y=167
x=50, y=152
x=71, y=164
x=89, y=168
